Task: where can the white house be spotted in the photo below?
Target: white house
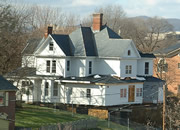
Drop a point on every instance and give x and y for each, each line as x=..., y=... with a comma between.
x=90, y=66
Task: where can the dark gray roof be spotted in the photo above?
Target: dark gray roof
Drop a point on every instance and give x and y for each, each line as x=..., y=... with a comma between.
x=22, y=72
x=32, y=45
x=83, y=42
x=152, y=79
x=112, y=34
x=147, y=55
x=6, y=85
x=105, y=79
x=169, y=49
x=89, y=41
x=64, y=43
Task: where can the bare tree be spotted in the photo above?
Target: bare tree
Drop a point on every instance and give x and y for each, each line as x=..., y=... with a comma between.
x=12, y=38
x=149, y=34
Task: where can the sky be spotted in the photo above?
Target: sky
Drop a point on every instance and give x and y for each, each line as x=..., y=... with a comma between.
x=132, y=8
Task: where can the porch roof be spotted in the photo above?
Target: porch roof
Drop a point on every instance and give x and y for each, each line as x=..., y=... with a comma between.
x=102, y=79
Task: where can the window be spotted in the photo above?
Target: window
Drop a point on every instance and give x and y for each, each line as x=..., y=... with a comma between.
x=123, y=93
x=55, y=89
x=146, y=67
x=138, y=92
x=51, y=46
x=90, y=67
x=68, y=65
x=88, y=93
x=46, y=88
x=53, y=66
x=48, y=65
x=178, y=65
x=128, y=69
x=162, y=66
x=129, y=52
x=4, y=98
x=26, y=83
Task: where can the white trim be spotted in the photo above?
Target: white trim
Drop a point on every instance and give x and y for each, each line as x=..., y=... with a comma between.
x=72, y=81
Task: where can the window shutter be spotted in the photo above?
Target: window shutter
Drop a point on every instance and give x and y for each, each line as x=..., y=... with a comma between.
x=7, y=99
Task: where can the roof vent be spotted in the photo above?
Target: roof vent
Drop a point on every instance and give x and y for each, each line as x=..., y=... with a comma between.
x=73, y=77
x=97, y=76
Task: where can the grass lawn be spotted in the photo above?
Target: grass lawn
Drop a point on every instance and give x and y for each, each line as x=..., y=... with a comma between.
x=36, y=116
x=33, y=116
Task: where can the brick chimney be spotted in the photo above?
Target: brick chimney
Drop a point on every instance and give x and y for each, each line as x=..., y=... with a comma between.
x=48, y=31
x=97, y=22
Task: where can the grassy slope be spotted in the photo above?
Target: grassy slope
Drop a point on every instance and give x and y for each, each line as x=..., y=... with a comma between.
x=35, y=116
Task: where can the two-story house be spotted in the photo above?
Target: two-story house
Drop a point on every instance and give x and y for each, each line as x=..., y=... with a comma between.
x=167, y=67
x=90, y=66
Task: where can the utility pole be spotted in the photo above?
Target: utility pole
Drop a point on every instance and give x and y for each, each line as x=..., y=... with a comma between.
x=164, y=106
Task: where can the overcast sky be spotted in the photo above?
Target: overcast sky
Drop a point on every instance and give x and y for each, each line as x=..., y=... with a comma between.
x=162, y=8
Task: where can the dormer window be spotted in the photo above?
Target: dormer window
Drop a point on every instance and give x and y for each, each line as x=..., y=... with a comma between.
x=129, y=52
x=51, y=46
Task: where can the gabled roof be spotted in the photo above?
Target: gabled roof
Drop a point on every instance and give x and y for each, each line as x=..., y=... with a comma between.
x=84, y=42
x=64, y=43
x=6, y=85
x=169, y=51
x=31, y=46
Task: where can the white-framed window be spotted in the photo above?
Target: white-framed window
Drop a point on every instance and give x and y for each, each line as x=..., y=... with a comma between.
x=68, y=65
x=146, y=68
x=48, y=66
x=51, y=46
x=55, y=89
x=4, y=98
x=90, y=67
x=88, y=93
x=128, y=69
x=138, y=92
x=53, y=66
x=123, y=93
x=46, y=91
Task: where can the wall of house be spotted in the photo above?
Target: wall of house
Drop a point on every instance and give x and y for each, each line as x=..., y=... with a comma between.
x=153, y=92
x=113, y=95
x=78, y=67
x=172, y=76
x=131, y=62
x=107, y=66
x=76, y=93
x=10, y=109
x=141, y=66
x=133, y=53
x=41, y=66
x=55, y=52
